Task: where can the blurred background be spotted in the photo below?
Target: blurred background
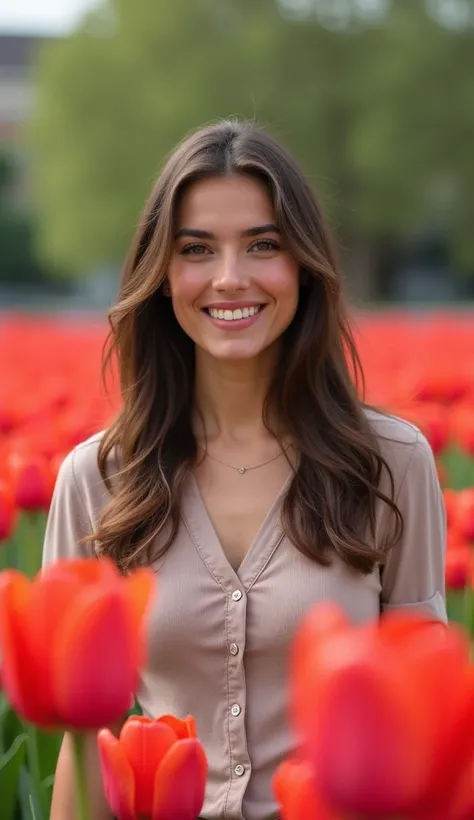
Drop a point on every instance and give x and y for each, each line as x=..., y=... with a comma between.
x=374, y=97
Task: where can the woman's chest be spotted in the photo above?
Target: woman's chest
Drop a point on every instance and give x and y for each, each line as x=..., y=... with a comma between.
x=204, y=611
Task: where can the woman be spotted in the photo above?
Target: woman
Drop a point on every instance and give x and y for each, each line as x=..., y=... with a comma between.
x=243, y=465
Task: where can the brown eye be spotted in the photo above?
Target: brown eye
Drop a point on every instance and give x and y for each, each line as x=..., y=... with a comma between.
x=265, y=245
x=194, y=250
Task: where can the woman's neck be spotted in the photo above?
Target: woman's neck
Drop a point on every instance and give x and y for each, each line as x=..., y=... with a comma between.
x=230, y=395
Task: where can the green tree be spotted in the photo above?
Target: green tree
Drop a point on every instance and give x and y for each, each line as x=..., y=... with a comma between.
x=372, y=97
x=18, y=262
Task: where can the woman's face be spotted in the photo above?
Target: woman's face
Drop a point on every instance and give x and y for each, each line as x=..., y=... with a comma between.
x=234, y=285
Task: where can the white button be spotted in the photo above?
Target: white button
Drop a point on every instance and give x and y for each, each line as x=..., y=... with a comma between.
x=234, y=649
x=236, y=595
x=236, y=710
x=239, y=770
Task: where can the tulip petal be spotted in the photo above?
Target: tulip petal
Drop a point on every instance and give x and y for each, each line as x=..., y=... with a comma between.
x=294, y=789
x=145, y=743
x=84, y=571
x=93, y=671
x=18, y=668
x=138, y=590
x=180, y=782
x=117, y=776
x=50, y=596
x=182, y=728
x=367, y=746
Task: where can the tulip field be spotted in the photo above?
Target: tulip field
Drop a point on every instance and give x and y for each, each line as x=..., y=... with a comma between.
x=419, y=366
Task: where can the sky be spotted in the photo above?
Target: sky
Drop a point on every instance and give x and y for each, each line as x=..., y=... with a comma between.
x=41, y=16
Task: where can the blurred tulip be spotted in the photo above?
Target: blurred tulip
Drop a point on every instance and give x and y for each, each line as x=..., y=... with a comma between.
x=294, y=789
x=155, y=770
x=382, y=711
x=450, y=504
x=8, y=511
x=432, y=419
x=463, y=520
x=462, y=426
x=32, y=481
x=76, y=631
x=459, y=561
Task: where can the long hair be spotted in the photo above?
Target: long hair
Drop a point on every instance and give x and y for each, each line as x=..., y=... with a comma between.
x=331, y=503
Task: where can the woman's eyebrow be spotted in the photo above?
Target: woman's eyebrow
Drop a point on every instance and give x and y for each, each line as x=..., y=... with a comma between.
x=197, y=233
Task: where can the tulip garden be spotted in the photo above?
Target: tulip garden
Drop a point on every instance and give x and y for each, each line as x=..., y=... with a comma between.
x=384, y=712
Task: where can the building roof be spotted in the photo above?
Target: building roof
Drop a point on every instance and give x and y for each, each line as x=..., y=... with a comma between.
x=18, y=51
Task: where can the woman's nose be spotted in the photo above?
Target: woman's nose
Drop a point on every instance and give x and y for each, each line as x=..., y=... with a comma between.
x=230, y=274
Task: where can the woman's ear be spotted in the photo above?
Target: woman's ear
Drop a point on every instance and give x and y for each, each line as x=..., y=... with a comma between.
x=166, y=288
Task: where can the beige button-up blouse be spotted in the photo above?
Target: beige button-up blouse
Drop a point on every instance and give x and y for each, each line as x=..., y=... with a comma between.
x=219, y=639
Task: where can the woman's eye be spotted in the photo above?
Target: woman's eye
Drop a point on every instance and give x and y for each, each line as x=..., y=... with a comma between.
x=194, y=250
x=265, y=245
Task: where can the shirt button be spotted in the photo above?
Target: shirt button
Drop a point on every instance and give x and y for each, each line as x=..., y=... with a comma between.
x=239, y=770
x=236, y=710
x=234, y=649
x=236, y=595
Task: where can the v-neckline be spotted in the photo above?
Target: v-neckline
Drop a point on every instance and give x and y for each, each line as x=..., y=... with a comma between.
x=202, y=531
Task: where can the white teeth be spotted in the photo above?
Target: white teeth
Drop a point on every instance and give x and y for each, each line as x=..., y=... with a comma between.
x=234, y=315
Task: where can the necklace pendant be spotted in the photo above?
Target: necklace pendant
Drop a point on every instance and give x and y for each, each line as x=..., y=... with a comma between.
x=241, y=470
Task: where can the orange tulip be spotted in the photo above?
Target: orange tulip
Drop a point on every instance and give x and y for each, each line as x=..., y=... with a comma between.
x=295, y=792
x=383, y=711
x=76, y=632
x=155, y=770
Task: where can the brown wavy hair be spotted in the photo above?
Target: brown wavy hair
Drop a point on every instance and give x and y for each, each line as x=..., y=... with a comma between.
x=331, y=503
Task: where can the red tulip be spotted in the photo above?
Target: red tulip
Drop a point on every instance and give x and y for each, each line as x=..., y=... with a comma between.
x=433, y=421
x=155, y=770
x=76, y=632
x=464, y=514
x=294, y=789
x=458, y=566
x=462, y=426
x=32, y=480
x=450, y=504
x=383, y=711
x=8, y=511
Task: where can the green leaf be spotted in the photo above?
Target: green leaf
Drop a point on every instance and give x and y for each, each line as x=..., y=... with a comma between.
x=48, y=745
x=10, y=766
x=28, y=797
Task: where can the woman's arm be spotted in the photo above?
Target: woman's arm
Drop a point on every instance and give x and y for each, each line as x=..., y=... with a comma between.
x=63, y=805
x=413, y=577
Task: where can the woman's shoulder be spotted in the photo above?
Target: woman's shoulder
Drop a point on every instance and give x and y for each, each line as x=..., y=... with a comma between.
x=80, y=468
x=400, y=442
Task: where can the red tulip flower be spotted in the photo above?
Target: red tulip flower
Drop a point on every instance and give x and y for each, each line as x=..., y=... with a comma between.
x=72, y=643
x=8, y=511
x=383, y=712
x=32, y=481
x=294, y=789
x=458, y=566
x=464, y=514
x=155, y=770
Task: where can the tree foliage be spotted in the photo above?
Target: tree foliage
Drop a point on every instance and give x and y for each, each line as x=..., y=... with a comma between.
x=374, y=98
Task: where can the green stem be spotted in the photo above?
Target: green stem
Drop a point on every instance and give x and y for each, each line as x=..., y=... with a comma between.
x=81, y=779
x=34, y=764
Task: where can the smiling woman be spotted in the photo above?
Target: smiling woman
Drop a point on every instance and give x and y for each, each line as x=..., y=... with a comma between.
x=239, y=276
x=243, y=465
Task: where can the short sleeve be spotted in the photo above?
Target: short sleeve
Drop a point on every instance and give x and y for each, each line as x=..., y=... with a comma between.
x=413, y=576
x=68, y=520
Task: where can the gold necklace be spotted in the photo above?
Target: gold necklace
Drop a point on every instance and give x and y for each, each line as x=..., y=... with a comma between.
x=243, y=470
